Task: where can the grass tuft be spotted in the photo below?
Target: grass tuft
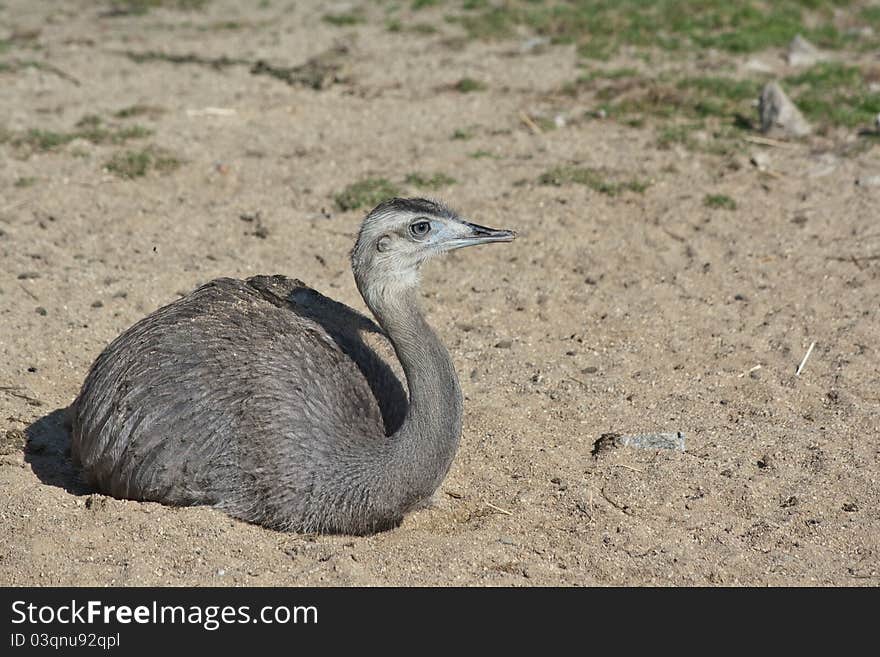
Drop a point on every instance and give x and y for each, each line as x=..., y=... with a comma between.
x=468, y=85
x=719, y=201
x=595, y=179
x=136, y=164
x=366, y=193
x=433, y=181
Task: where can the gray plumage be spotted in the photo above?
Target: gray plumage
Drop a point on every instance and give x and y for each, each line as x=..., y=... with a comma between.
x=265, y=399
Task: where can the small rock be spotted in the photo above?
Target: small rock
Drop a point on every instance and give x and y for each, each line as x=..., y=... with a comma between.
x=760, y=160
x=868, y=181
x=97, y=304
x=504, y=344
x=779, y=114
x=803, y=53
x=654, y=441
x=850, y=507
x=534, y=45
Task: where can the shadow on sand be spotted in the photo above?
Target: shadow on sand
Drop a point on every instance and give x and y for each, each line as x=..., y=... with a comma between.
x=48, y=451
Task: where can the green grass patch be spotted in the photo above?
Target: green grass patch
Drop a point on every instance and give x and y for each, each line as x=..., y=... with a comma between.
x=490, y=24
x=136, y=164
x=671, y=135
x=595, y=179
x=89, y=128
x=433, y=181
x=608, y=74
x=366, y=193
x=689, y=97
x=834, y=93
x=871, y=15
x=423, y=28
x=396, y=25
x=134, y=111
x=463, y=134
x=344, y=19
x=726, y=88
x=25, y=181
x=469, y=85
x=719, y=202
x=828, y=93
x=141, y=7
x=481, y=154
x=601, y=27
x=43, y=140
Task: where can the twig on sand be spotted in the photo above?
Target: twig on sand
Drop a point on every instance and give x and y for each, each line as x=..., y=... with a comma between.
x=766, y=141
x=628, y=467
x=28, y=292
x=61, y=74
x=856, y=260
x=804, y=361
x=14, y=206
x=620, y=507
x=498, y=509
x=15, y=392
x=754, y=369
x=530, y=123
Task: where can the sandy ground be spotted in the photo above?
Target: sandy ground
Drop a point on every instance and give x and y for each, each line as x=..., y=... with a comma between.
x=635, y=313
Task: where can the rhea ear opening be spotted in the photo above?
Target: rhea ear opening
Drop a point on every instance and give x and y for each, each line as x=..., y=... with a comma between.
x=383, y=243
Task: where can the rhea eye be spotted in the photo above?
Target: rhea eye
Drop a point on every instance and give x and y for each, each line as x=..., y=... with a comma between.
x=420, y=228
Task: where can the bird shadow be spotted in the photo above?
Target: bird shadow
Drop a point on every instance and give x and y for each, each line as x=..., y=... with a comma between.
x=345, y=327
x=47, y=450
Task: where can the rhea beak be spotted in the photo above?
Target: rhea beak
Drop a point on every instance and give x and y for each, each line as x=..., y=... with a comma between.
x=479, y=235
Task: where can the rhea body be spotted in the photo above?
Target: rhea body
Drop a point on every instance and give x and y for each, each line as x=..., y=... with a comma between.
x=263, y=399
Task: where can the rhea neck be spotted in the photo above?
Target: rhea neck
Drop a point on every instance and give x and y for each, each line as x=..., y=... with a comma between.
x=425, y=444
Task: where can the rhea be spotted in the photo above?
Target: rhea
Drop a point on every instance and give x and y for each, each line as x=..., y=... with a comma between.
x=264, y=399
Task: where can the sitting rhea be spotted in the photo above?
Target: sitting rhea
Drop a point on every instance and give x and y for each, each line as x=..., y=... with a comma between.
x=261, y=397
